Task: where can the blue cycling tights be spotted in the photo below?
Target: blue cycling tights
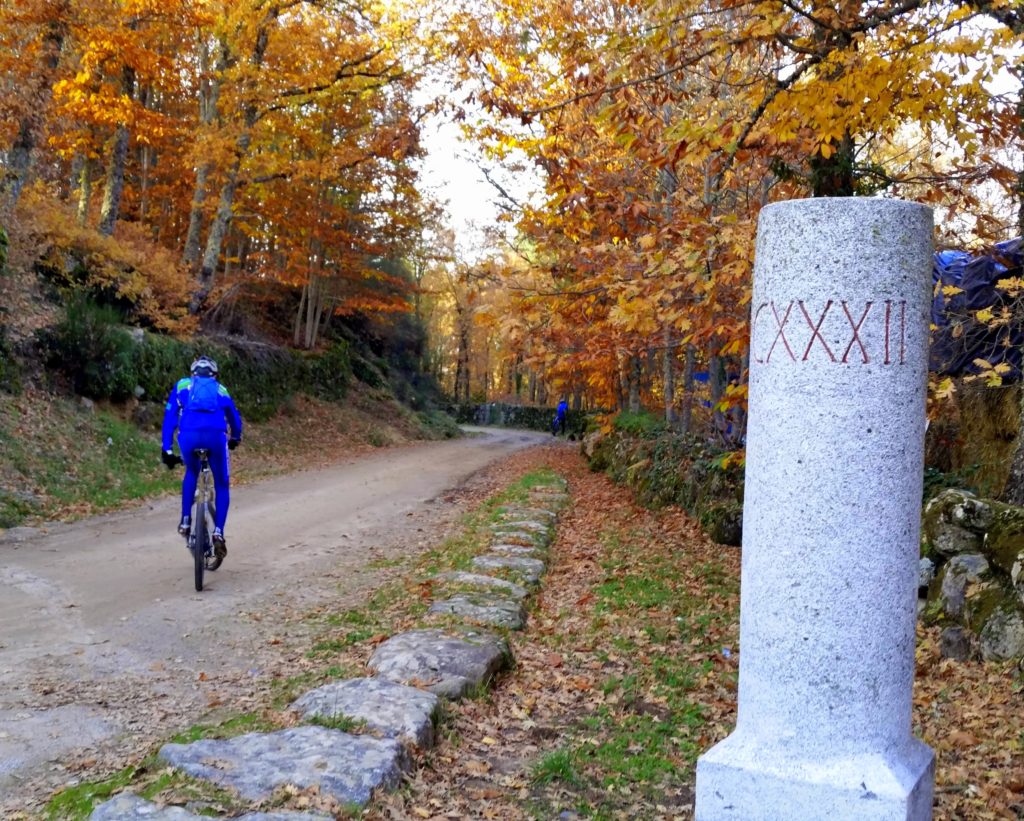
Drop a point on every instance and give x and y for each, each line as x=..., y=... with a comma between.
x=216, y=441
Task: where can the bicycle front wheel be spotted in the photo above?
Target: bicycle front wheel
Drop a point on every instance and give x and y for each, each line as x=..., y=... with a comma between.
x=200, y=540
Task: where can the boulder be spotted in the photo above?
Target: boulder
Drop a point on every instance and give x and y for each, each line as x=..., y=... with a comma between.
x=346, y=767
x=445, y=663
x=954, y=522
x=1003, y=543
x=507, y=613
x=950, y=586
x=925, y=572
x=391, y=709
x=723, y=522
x=955, y=643
x=1002, y=637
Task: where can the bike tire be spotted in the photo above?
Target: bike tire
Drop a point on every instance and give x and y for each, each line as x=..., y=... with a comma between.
x=214, y=563
x=200, y=536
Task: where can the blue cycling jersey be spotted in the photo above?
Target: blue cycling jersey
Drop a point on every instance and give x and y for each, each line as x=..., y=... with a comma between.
x=178, y=416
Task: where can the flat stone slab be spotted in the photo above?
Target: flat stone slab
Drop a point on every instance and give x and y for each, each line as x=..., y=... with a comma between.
x=528, y=513
x=392, y=709
x=525, y=536
x=130, y=807
x=507, y=613
x=529, y=570
x=517, y=550
x=516, y=591
x=522, y=524
x=445, y=664
x=347, y=767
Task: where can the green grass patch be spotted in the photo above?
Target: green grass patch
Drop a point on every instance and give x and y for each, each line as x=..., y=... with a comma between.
x=286, y=690
x=79, y=801
x=62, y=458
x=556, y=766
x=343, y=723
x=229, y=728
x=657, y=619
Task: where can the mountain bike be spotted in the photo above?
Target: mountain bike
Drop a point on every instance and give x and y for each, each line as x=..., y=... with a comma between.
x=200, y=541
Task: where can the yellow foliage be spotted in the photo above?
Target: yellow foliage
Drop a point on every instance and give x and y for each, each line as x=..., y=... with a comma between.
x=129, y=265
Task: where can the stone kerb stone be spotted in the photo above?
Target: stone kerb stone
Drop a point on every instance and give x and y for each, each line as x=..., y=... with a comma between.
x=518, y=550
x=480, y=581
x=507, y=613
x=346, y=767
x=529, y=513
x=130, y=807
x=524, y=537
x=445, y=664
x=526, y=569
x=391, y=709
x=524, y=524
x=838, y=372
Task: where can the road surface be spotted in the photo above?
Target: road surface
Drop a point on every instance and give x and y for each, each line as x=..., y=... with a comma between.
x=104, y=643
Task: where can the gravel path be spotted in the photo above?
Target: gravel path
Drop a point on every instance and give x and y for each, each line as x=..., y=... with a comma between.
x=105, y=647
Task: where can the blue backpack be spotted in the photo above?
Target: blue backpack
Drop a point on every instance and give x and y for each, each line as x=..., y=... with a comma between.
x=203, y=395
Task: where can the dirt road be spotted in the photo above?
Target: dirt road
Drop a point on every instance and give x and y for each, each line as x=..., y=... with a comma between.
x=105, y=645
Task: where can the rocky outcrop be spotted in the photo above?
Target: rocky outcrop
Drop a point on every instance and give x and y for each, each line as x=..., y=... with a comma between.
x=973, y=568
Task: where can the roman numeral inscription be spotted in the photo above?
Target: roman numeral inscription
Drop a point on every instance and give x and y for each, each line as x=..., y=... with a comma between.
x=839, y=331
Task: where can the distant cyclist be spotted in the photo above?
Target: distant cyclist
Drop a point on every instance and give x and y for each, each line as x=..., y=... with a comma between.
x=204, y=413
x=560, y=416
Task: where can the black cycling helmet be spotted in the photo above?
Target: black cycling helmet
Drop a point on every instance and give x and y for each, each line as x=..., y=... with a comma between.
x=204, y=366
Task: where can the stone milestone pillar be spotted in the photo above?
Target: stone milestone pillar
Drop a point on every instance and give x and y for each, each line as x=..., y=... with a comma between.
x=835, y=453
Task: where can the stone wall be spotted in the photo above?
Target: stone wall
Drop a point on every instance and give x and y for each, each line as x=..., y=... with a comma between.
x=972, y=566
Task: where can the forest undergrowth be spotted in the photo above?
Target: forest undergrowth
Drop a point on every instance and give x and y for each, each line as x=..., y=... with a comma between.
x=61, y=458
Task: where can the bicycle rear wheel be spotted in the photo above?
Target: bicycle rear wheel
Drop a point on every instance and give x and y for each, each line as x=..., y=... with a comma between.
x=200, y=540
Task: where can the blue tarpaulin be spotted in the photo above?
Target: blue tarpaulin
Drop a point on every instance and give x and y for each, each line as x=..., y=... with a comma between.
x=959, y=338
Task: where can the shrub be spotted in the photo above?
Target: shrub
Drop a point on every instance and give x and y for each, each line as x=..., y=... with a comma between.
x=367, y=372
x=104, y=361
x=331, y=371
x=10, y=375
x=91, y=348
x=639, y=424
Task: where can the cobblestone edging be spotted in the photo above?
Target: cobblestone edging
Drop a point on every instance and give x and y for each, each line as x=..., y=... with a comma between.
x=412, y=671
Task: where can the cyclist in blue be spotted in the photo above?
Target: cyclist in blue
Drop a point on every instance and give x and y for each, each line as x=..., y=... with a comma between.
x=560, y=416
x=203, y=412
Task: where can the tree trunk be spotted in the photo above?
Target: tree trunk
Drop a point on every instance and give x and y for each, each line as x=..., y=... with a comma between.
x=687, y=415
x=669, y=378
x=297, y=334
x=219, y=226
x=21, y=153
x=635, y=376
x=208, y=100
x=716, y=382
x=111, y=208
x=84, y=191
